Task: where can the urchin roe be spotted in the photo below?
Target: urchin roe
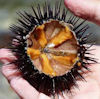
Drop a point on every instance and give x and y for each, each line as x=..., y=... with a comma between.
x=53, y=48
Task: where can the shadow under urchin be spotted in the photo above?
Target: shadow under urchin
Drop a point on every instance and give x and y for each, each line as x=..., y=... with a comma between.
x=40, y=81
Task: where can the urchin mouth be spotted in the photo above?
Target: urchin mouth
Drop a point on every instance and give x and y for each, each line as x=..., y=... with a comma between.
x=55, y=46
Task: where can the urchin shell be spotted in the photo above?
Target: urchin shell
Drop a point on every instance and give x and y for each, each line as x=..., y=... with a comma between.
x=44, y=83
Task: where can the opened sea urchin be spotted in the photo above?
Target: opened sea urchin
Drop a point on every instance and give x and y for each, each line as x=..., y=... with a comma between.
x=50, y=47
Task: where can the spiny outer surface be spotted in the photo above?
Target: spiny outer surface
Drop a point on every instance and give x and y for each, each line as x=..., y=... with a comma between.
x=43, y=83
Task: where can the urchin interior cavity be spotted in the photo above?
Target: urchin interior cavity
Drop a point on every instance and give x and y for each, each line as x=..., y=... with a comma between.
x=53, y=48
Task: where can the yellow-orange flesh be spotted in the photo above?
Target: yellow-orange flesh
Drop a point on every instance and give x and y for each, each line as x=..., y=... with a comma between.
x=54, y=46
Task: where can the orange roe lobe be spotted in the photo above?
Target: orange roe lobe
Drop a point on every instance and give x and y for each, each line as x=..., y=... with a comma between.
x=33, y=53
x=40, y=36
x=62, y=36
x=55, y=46
x=65, y=60
x=46, y=66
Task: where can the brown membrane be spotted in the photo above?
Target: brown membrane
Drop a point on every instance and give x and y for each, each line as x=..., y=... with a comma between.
x=53, y=48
